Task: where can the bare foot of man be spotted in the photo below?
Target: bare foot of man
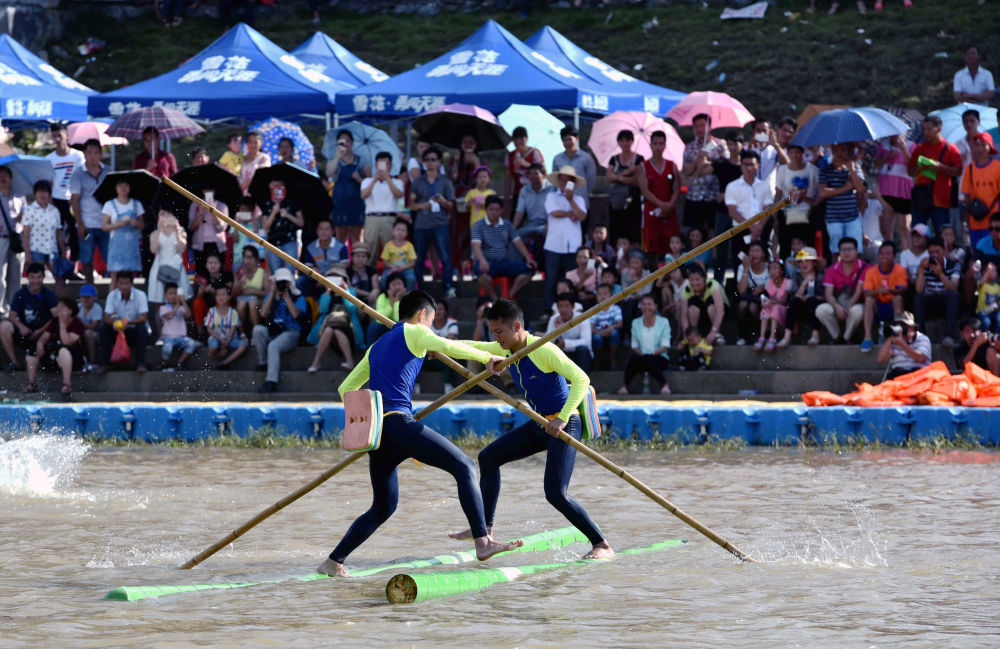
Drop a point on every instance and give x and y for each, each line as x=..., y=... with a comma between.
x=601, y=551
x=486, y=547
x=331, y=568
x=467, y=534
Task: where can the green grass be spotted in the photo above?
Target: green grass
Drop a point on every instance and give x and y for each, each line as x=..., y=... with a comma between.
x=818, y=59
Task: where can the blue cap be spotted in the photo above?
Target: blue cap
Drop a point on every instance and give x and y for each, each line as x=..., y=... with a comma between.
x=88, y=290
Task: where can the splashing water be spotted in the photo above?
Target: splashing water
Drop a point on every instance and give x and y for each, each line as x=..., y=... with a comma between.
x=39, y=465
x=857, y=544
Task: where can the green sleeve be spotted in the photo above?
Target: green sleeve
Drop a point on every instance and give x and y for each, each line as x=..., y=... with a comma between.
x=492, y=347
x=420, y=340
x=358, y=376
x=550, y=358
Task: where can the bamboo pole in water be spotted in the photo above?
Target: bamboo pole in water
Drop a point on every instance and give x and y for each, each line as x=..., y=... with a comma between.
x=474, y=379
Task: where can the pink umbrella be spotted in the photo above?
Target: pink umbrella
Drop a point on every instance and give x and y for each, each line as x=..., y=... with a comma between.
x=604, y=136
x=723, y=110
x=80, y=132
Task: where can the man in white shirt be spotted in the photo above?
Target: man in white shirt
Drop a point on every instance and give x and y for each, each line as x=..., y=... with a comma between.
x=381, y=194
x=974, y=84
x=575, y=342
x=127, y=311
x=566, y=210
x=745, y=197
x=64, y=162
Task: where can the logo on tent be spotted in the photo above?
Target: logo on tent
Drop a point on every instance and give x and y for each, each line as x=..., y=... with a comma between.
x=32, y=108
x=373, y=72
x=402, y=103
x=221, y=68
x=309, y=72
x=594, y=102
x=471, y=62
x=615, y=75
x=11, y=77
x=558, y=69
x=651, y=104
x=61, y=78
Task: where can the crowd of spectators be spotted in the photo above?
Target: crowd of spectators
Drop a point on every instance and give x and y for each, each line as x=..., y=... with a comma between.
x=878, y=238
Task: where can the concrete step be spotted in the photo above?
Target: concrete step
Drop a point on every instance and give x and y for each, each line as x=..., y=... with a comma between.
x=196, y=384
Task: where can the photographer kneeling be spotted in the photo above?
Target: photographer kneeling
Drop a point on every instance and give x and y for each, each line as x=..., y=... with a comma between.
x=977, y=346
x=283, y=309
x=905, y=348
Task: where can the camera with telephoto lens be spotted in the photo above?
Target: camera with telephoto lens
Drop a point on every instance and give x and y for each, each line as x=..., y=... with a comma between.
x=890, y=330
x=284, y=285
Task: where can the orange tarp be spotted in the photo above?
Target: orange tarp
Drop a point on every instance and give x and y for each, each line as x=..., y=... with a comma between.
x=932, y=385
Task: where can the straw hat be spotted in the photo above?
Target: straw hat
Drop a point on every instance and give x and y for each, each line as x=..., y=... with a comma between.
x=907, y=319
x=567, y=170
x=361, y=246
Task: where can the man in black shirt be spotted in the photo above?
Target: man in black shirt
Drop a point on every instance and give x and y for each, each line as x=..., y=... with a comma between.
x=976, y=348
x=726, y=169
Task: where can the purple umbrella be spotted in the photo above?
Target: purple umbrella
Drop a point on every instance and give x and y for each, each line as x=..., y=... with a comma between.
x=448, y=124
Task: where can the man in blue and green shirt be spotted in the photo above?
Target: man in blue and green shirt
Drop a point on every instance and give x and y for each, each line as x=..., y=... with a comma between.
x=541, y=377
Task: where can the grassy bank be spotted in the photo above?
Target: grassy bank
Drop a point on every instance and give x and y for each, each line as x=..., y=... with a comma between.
x=776, y=66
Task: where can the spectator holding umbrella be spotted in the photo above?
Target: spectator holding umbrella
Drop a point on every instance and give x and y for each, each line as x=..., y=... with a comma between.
x=624, y=170
x=156, y=161
x=347, y=172
x=284, y=218
x=122, y=218
x=895, y=184
x=83, y=184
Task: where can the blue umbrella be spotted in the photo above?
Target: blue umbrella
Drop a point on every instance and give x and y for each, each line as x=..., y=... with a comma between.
x=273, y=129
x=849, y=125
x=951, y=120
x=368, y=142
x=26, y=171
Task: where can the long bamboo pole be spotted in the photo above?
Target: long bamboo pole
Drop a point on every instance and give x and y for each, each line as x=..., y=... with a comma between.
x=614, y=299
x=594, y=455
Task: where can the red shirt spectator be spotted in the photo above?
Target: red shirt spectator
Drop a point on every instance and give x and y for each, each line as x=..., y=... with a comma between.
x=165, y=164
x=947, y=154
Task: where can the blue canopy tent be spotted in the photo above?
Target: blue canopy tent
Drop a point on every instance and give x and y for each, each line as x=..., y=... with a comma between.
x=491, y=69
x=240, y=75
x=564, y=52
x=334, y=60
x=31, y=90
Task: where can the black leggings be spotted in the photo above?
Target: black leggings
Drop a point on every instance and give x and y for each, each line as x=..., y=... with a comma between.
x=653, y=364
x=524, y=441
x=404, y=437
x=795, y=312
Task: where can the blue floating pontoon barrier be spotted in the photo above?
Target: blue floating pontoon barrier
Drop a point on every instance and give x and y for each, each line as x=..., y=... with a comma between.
x=755, y=425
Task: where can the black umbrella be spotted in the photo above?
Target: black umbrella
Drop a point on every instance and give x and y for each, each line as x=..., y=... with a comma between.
x=197, y=179
x=305, y=189
x=142, y=185
x=448, y=124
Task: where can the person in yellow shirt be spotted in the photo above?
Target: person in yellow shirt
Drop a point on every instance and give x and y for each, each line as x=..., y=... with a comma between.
x=233, y=158
x=475, y=198
x=399, y=256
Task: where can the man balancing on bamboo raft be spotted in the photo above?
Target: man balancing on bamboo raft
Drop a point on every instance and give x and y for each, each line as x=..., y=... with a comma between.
x=542, y=377
x=391, y=366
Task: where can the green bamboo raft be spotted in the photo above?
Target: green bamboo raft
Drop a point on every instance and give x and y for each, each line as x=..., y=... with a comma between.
x=406, y=589
x=548, y=540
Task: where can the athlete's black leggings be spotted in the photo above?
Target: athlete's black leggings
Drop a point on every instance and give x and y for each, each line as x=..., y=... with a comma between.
x=404, y=437
x=525, y=441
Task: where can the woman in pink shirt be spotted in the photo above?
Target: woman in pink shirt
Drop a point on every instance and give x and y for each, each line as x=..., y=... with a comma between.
x=895, y=184
x=584, y=276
